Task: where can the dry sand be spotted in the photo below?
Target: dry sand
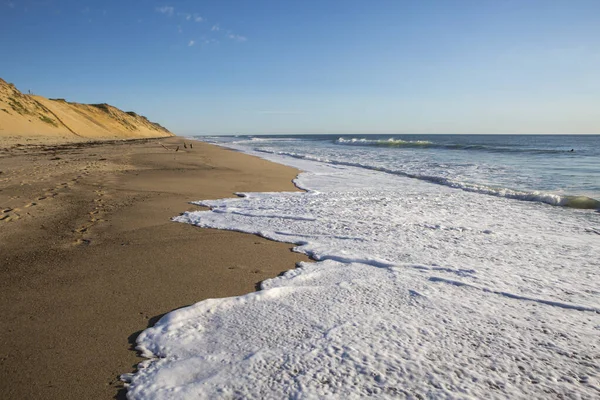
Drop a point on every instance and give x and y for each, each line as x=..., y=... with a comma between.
x=89, y=257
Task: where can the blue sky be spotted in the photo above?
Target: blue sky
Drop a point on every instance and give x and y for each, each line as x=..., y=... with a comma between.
x=326, y=66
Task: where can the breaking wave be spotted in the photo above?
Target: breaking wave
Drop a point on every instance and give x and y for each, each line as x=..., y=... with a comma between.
x=580, y=202
x=392, y=142
x=383, y=142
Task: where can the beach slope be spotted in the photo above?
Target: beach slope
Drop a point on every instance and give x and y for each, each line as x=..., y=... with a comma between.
x=89, y=256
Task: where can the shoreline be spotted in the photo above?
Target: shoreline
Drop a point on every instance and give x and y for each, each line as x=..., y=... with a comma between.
x=414, y=281
x=90, y=257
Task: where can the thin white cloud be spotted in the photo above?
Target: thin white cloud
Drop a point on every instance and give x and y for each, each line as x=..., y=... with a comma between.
x=10, y=4
x=167, y=10
x=182, y=18
x=237, y=38
x=191, y=17
x=207, y=40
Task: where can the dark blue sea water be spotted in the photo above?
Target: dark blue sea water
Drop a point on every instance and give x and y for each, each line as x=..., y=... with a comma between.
x=555, y=169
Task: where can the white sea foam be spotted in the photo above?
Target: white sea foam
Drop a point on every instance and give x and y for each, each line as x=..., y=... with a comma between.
x=382, y=142
x=421, y=291
x=553, y=199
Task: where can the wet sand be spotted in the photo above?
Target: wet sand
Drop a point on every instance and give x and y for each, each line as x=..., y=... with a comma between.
x=89, y=256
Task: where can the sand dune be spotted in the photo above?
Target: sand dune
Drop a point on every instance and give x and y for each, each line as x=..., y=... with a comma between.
x=24, y=115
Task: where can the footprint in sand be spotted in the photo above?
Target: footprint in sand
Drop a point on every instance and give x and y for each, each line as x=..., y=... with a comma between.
x=30, y=205
x=8, y=217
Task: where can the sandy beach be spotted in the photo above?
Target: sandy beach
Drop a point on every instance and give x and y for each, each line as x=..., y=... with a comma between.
x=89, y=256
x=385, y=200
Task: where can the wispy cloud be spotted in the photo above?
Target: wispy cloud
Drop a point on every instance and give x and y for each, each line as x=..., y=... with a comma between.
x=208, y=40
x=191, y=17
x=167, y=10
x=237, y=38
x=10, y=4
x=183, y=19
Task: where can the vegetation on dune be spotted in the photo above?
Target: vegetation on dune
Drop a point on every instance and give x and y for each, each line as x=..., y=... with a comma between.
x=17, y=106
x=48, y=120
x=157, y=125
x=127, y=124
x=33, y=108
x=102, y=106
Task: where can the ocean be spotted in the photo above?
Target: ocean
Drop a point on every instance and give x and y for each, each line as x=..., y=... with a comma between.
x=555, y=169
x=446, y=266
